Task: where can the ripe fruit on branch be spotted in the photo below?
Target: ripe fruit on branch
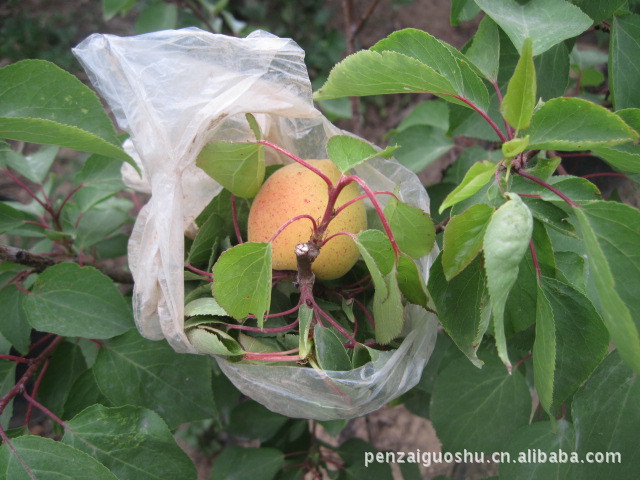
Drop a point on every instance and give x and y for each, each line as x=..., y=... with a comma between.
x=294, y=190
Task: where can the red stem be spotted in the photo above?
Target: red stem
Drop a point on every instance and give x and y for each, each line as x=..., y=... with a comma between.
x=34, y=392
x=234, y=216
x=199, y=272
x=24, y=187
x=306, y=164
x=13, y=358
x=337, y=326
x=506, y=124
x=57, y=213
x=247, y=328
x=534, y=258
x=290, y=221
x=604, y=174
x=273, y=358
x=354, y=200
x=46, y=411
x=548, y=187
x=482, y=113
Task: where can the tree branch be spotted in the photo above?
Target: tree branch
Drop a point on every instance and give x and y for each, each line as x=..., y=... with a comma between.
x=40, y=262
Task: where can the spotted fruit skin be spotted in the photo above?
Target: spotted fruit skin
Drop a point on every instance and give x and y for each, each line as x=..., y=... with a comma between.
x=295, y=190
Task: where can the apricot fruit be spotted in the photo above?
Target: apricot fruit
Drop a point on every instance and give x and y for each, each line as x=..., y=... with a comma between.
x=295, y=190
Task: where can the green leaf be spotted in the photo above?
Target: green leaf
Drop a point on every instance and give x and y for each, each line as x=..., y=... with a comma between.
x=433, y=113
x=484, y=50
x=576, y=124
x=77, y=301
x=518, y=103
x=12, y=218
x=463, y=237
x=353, y=452
x=372, y=73
x=607, y=419
x=443, y=58
x=250, y=421
x=101, y=221
x=204, y=306
x=478, y=410
x=611, y=233
x=571, y=341
x=347, y=152
x=305, y=316
x=131, y=370
x=411, y=281
x=132, y=442
x=552, y=72
x=625, y=157
x=237, y=463
x=599, y=10
x=110, y=8
x=41, y=103
x=13, y=324
x=34, y=167
x=515, y=146
x=211, y=341
x=476, y=177
x=47, y=459
x=412, y=228
x=505, y=243
x=420, y=146
x=556, y=440
x=66, y=365
x=462, y=10
x=462, y=305
x=207, y=241
x=84, y=393
x=99, y=178
x=242, y=280
x=238, y=167
x=546, y=22
x=330, y=352
x=157, y=16
x=624, y=70
x=7, y=382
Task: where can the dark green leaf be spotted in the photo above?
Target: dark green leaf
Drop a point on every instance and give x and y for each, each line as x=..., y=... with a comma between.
x=250, y=420
x=571, y=340
x=83, y=394
x=625, y=157
x=42, y=103
x=597, y=9
x=552, y=439
x=13, y=324
x=411, y=281
x=330, y=352
x=624, y=70
x=238, y=167
x=463, y=238
x=207, y=240
x=607, y=420
x=7, y=382
x=576, y=124
x=77, y=301
x=131, y=370
x=546, y=22
x=552, y=72
x=354, y=452
x=242, y=280
x=238, y=463
x=12, y=219
x=518, y=103
x=34, y=167
x=611, y=233
x=462, y=10
x=132, y=442
x=478, y=410
x=49, y=460
x=462, y=305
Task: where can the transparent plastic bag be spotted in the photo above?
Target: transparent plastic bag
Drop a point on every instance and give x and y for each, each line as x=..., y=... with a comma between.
x=173, y=92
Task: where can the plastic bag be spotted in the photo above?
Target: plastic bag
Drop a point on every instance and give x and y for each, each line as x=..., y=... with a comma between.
x=173, y=92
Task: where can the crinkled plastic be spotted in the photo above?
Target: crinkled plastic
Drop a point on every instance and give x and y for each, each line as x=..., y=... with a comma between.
x=173, y=92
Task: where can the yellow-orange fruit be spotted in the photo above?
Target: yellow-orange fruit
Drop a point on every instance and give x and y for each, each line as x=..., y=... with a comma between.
x=295, y=190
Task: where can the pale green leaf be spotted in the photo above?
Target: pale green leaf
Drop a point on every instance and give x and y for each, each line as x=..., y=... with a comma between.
x=476, y=177
x=412, y=228
x=347, y=152
x=484, y=50
x=517, y=105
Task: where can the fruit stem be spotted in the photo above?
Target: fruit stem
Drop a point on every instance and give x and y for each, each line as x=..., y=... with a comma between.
x=360, y=197
x=290, y=221
x=306, y=164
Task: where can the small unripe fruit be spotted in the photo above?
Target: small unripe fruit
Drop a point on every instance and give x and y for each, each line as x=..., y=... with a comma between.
x=295, y=190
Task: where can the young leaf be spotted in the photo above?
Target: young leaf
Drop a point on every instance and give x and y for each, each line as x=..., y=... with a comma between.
x=611, y=233
x=505, y=242
x=41, y=103
x=607, y=419
x=546, y=22
x=49, y=460
x=330, y=352
x=242, y=462
x=576, y=124
x=463, y=238
x=129, y=362
x=242, y=280
x=562, y=359
x=77, y=301
x=476, y=177
x=478, y=410
x=462, y=305
x=132, y=442
x=623, y=71
x=347, y=152
x=484, y=51
x=238, y=167
x=518, y=103
x=515, y=146
x=412, y=228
